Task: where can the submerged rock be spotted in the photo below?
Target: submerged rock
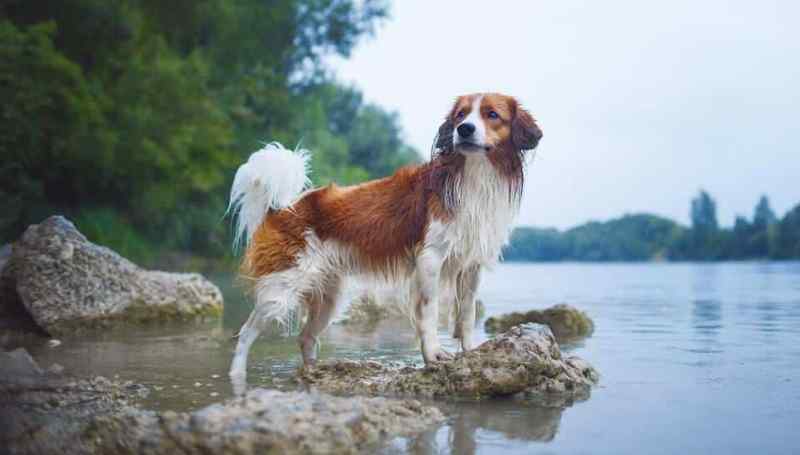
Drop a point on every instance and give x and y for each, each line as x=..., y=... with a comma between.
x=566, y=322
x=524, y=359
x=64, y=281
x=266, y=421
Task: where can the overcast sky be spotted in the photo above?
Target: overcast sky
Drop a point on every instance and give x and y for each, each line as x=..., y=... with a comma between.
x=641, y=103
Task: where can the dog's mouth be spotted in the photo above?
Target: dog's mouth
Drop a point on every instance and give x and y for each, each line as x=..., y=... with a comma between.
x=468, y=146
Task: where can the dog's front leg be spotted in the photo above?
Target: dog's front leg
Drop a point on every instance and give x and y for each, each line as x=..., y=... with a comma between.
x=425, y=298
x=466, y=289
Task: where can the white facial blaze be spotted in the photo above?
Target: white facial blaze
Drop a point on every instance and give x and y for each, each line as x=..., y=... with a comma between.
x=475, y=118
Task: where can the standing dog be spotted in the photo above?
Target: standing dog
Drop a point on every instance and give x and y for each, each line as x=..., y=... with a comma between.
x=430, y=227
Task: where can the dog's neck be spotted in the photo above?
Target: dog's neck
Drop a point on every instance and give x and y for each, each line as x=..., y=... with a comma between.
x=484, y=208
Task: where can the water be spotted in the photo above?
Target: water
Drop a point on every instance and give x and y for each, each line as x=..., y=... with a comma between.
x=693, y=358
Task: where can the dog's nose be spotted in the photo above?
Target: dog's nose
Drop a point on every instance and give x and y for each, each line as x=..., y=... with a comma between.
x=465, y=129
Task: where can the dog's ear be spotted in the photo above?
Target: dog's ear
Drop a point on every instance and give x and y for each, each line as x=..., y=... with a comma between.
x=444, y=138
x=525, y=133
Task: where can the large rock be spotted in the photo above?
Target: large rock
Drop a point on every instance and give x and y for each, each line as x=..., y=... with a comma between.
x=15, y=321
x=567, y=322
x=524, y=359
x=64, y=281
x=266, y=421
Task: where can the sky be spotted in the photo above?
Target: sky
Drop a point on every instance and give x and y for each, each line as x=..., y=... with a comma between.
x=641, y=103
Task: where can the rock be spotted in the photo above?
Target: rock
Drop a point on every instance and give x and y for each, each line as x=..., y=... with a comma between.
x=15, y=322
x=566, y=322
x=64, y=281
x=266, y=421
x=524, y=359
x=17, y=364
x=45, y=412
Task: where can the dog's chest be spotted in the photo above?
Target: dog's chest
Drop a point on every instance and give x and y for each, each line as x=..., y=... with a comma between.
x=483, y=219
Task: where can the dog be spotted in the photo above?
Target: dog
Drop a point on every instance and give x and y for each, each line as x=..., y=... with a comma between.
x=430, y=228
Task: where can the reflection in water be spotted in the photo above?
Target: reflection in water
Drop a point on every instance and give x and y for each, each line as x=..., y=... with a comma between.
x=706, y=316
x=706, y=310
x=475, y=422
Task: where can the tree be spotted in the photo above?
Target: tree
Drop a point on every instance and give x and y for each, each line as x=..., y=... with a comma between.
x=131, y=116
x=763, y=233
x=740, y=238
x=788, y=236
x=705, y=240
x=763, y=215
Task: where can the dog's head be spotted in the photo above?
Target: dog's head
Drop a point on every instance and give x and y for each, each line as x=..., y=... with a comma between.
x=482, y=122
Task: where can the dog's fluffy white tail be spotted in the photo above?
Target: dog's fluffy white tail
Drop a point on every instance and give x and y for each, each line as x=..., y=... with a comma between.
x=271, y=179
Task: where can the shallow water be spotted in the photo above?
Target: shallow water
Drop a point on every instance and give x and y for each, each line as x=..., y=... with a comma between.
x=693, y=358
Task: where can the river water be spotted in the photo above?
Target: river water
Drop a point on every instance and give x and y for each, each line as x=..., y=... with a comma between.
x=694, y=358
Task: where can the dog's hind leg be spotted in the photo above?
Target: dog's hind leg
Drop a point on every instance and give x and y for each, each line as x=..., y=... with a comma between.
x=247, y=335
x=321, y=306
x=276, y=299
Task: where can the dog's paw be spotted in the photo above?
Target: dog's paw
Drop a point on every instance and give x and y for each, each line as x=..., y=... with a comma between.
x=437, y=355
x=238, y=382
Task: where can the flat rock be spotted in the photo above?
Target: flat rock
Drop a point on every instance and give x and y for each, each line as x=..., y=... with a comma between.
x=64, y=282
x=266, y=421
x=567, y=322
x=525, y=359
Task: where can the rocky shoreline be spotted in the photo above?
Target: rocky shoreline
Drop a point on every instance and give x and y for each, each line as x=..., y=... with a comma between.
x=336, y=406
x=44, y=411
x=54, y=282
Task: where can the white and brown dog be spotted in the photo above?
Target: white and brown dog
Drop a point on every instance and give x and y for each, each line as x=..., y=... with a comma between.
x=430, y=227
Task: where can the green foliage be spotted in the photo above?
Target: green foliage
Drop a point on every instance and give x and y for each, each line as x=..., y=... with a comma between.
x=48, y=113
x=704, y=240
x=637, y=237
x=106, y=227
x=788, y=236
x=131, y=116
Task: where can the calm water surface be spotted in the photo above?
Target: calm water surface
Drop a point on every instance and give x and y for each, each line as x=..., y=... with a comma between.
x=694, y=358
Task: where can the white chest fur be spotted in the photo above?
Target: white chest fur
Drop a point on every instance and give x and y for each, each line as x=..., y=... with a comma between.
x=483, y=219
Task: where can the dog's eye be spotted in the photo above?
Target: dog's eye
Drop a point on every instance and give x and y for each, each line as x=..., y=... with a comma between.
x=493, y=115
x=460, y=114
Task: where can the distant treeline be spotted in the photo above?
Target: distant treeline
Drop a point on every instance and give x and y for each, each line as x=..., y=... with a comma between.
x=644, y=237
x=131, y=116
